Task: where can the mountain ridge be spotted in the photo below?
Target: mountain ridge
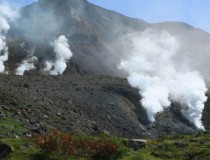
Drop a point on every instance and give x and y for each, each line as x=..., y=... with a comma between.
x=96, y=25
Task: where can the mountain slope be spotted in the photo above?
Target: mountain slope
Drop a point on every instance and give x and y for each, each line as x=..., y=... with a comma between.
x=83, y=100
x=82, y=104
x=95, y=35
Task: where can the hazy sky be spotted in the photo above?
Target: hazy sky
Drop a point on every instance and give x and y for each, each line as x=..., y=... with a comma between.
x=194, y=12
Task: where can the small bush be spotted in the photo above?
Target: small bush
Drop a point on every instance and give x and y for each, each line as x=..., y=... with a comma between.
x=63, y=144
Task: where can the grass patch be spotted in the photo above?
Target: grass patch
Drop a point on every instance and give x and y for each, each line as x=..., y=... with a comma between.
x=49, y=147
x=144, y=154
x=10, y=125
x=175, y=148
x=184, y=147
x=22, y=149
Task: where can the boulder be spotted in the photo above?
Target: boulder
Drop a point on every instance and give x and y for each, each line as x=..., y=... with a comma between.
x=136, y=144
x=5, y=149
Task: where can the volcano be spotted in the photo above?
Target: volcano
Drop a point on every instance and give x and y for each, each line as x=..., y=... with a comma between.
x=92, y=96
x=90, y=31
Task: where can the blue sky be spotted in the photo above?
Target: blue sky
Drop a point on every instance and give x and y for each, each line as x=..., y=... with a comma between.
x=194, y=12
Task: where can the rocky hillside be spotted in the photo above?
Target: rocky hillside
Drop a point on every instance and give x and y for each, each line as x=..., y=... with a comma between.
x=79, y=103
x=89, y=97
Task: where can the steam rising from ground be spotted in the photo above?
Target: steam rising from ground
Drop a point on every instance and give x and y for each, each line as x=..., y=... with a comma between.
x=152, y=68
x=63, y=55
x=27, y=64
x=6, y=15
x=155, y=64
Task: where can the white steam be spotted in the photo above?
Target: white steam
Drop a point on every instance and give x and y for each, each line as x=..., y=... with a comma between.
x=154, y=69
x=27, y=64
x=63, y=55
x=6, y=15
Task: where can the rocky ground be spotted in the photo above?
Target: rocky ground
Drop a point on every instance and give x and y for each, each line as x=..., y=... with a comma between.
x=80, y=103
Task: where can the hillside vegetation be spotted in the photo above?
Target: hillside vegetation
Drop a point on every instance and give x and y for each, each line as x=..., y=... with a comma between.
x=58, y=146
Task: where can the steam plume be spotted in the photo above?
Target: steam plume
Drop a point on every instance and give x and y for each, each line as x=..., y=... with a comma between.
x=27, y=64
x=152, y=69
x=63, y=55
x=6, y=14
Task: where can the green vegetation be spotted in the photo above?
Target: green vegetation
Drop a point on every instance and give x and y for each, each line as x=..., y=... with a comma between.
x=65, y=145
x=23, y=150
x=61, y=146
x=175, y=148
x=10, y=125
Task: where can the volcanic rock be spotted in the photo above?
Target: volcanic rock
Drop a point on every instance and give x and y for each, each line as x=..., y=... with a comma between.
x=93, y=93
x=5, y=149
x=137, y=143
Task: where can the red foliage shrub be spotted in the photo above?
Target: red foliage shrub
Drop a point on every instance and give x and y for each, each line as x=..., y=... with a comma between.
x=65, y=144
